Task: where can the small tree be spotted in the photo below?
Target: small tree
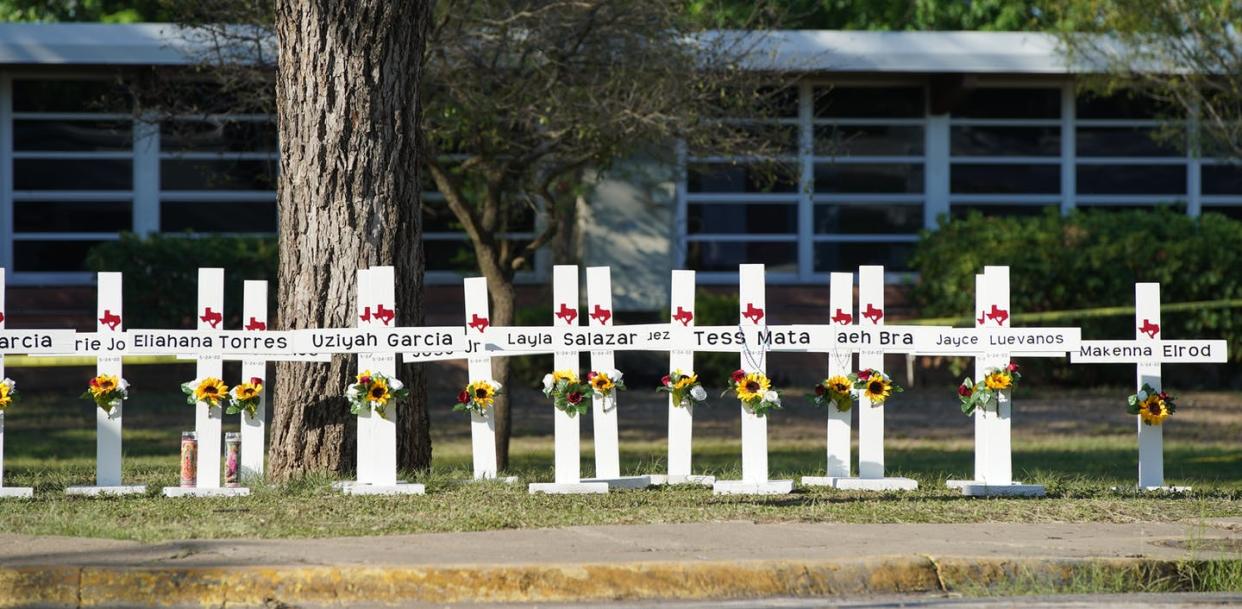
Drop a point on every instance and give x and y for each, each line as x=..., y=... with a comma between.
x=1183, y=54
x=527, y=95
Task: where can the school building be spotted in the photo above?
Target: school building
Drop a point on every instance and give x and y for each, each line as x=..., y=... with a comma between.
x=890, y=131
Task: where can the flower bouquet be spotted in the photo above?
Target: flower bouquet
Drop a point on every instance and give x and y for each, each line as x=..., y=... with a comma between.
x=684, y=387
x=836, y=390
x=8, y=393
x=107, y=391
x=568, y=393
x=1151, y=405
x=246, y=396
x=754, y=389
x=975, y=395
x=210, y=391
x=375, y=391
x=477, y=397
x=875, y=386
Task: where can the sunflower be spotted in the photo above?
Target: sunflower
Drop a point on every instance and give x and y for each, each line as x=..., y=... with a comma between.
x=1154, y=410
x=6, y=394
x=104, y=384
x=564, y=375
x=998, y=380
x=378, y=392
x=247, y=391
x=482, y=393
x=211, y=390
x=602, y=383
x=838, y=385
x=752, y=386
x=686, y=382
x=878, y=388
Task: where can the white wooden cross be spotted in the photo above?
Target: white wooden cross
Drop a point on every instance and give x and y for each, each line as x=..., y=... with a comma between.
x=840, y=363
x=1148, y=351
x=681, y=416
x=11, y=492
x=208, y=420
x=993, y=343
x=604, y=409
x=109, y=314
x=377, y=435
x=752, y=316
x=566, y=427
x=254, y=428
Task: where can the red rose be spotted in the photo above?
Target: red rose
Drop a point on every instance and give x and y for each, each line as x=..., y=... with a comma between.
x=864, y=374
x=574, y=398
x=738, y=375
x=254, y=380
x=94, y=382
x=463, y=397
x=1012, y=367
x=964, y=391
x=819, y=390
x=666, y=381
x=590, y=375
x=1164, y=396
x=365, y=380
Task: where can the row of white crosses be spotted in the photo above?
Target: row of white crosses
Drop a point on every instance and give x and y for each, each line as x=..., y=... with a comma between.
x=840, y=339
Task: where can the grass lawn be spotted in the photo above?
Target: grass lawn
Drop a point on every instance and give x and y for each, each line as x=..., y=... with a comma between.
x=1080, y=446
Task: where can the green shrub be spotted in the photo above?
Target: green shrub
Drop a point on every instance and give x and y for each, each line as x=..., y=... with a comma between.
x=1090, y=259
x=161, y=274
x=715, y=308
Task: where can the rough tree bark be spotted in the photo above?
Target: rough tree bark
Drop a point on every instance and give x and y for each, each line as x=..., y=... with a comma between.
x=348, y=197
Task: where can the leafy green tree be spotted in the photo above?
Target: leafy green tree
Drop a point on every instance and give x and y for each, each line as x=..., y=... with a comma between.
x=99, y=11
x=988, y=15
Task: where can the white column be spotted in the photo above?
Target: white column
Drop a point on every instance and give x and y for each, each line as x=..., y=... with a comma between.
x=870, y=418
x=993, y=459
x=565, y=314
x=482, y=427
x=208, y=420
x=109, y=316
x=381, y=431
x=680, y=418
x=751, y=298
x=603, y=409
x=2, y=319
x=254, y=318
x=841, y=304
x=1150, y=437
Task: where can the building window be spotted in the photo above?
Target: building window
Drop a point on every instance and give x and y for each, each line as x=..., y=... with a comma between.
x=72, y=165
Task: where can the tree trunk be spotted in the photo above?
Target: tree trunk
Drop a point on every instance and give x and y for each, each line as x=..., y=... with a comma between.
x=348, y=198
x=503, y=306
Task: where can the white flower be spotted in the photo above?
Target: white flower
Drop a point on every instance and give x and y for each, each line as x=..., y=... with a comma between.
x=1142, y=395
x=395, y=384
x=495, y=385
x=773, y=397
x=8, y=382
x=547, y=382
x=352, y=392
x=614, y=374
x=698, y=393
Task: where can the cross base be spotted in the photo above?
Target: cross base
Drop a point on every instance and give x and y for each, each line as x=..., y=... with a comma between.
x=502, y=480
x=351, y=487
x=821, y=480
x=671, y=479
x=876, y=484
x=16, y=492
x=1155, y=489
x=623, y=482
x=223, y=491
x=96, y=491
x=979, y=488
x=568, y=488
x=747, y=487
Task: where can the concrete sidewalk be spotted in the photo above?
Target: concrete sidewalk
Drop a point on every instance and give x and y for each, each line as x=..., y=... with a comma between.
x=684, y=561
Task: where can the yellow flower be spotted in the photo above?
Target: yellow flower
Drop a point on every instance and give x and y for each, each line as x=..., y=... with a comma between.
x=878, y=388
x=378, y=391
x=998, y=380
x=752, y=386
x=247, y=391
x=838, y=385
x=686, y=382
x=482, y=393
x=6, y=397
x=601, y=383
x=104, y=383
x=1153, y=410
x=564, y=375
x=211, y=390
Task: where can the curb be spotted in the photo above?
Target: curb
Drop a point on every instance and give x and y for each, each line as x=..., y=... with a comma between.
x=255, y=586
